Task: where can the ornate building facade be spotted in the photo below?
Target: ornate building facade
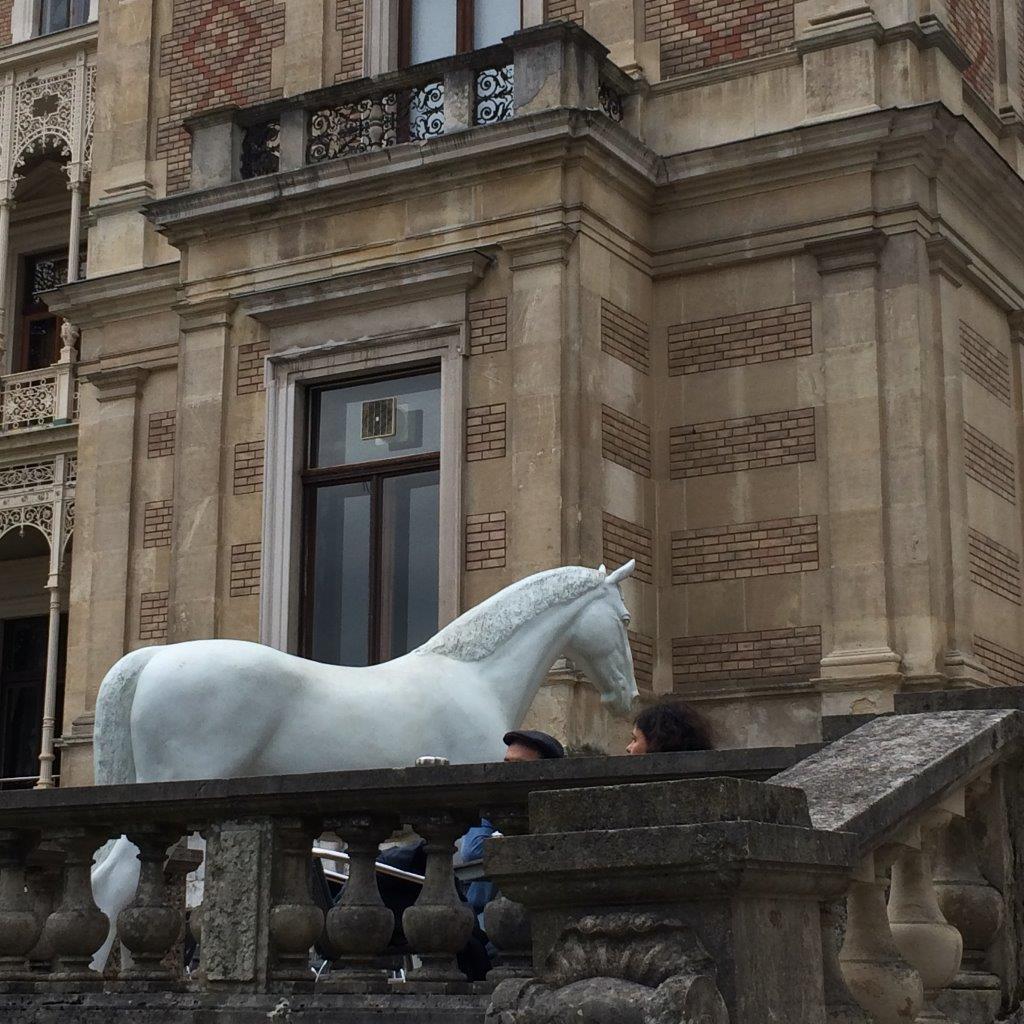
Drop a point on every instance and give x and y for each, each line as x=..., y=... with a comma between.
x=325, y=320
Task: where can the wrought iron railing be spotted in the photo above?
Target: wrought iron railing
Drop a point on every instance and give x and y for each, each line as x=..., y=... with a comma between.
x=413, y=105
x=38, y=398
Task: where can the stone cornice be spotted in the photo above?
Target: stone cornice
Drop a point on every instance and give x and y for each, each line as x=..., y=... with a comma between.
x=113, y=297
x=372, y=286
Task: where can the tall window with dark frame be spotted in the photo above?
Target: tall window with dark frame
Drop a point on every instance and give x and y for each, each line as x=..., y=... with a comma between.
x=429, y=29
x=39, y=330
x=371, y=518
x=55, y=15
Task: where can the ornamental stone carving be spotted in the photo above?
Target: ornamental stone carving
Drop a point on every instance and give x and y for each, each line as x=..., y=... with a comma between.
x=623, y=968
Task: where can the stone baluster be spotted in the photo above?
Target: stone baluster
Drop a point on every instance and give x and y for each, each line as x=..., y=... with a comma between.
x=506, y=922
x=840, y=1005
x=439, y=924
x=360, y=926
x=877, y=976
x=77, y=927
x=296, y=922
x=150, y=925
x=43, y=879
x=923, y=936
x=975, y=908
x=19, y=926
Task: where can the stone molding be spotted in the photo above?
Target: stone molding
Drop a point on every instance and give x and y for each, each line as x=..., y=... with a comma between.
x=102, y=300
x=856, y=251
x=1016, y=322
x=117, y=382
x=549, y=244
x=216, y=312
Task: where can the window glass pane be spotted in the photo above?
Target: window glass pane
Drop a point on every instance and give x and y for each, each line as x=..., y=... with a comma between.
x=341, y=575
x=493, y=20
x=54, y=15
x=387, y=419
x=431, y=29
x=409, y=561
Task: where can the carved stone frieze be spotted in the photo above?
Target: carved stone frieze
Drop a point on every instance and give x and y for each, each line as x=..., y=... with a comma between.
x=628, y=968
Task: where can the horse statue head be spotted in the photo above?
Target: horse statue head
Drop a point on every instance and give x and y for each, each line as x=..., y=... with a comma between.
x=597, y=642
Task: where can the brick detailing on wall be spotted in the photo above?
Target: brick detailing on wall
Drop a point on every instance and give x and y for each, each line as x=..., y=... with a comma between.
x=218, y=52
x=485, y=432
x=989, y=463
x=623, y=540
x=625, y=337
x=697, y=34
x=748, y=442
x=770, y=654
x=250, y=367
x=563, y=10
x=156, y=524
x=625, y=441
x=248, y=471
x=762, y=336
x=1005, y=667
x=6, y=11
x=160, y=436
x=245, y=569
x=971, y=25
x=488, y=326
x=348, y=20
x=984, y=363
x=994, y=567
x=642, y=647
x=153, y=616
x=485, y=540
x=742, y=550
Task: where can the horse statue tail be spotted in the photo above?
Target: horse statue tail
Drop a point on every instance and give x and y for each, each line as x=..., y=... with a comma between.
x=113, y=758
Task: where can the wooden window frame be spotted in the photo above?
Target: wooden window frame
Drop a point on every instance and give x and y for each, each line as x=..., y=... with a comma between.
x=78, y=14
x=464, y=28
x=375, y=473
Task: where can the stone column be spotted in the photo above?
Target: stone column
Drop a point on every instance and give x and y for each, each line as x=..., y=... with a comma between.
x=203, y=355
x=74, y=229
x=861, y=660
x=99, y=577
x=722, y=878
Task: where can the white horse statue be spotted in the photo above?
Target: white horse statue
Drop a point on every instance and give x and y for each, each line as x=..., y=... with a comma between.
x=215, y=709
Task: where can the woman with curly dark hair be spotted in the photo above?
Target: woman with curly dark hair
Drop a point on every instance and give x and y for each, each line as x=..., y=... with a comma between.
x=669, y=726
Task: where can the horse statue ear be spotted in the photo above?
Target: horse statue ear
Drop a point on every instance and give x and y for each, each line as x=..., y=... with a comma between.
x=602, y=570
x=622, y=572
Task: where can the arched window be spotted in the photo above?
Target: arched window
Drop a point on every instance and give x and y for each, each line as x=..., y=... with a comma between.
x=438, y=28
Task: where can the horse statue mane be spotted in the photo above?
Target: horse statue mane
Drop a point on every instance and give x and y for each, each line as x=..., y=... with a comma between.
x=479, y=632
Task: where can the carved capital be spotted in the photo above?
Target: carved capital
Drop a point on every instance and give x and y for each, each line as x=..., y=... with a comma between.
x=947, y=258
x=1016, y=322
x=546, y=245
x=854, y=251
x=117, y=382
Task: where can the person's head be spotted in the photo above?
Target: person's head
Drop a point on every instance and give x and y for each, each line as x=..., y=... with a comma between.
x=669, y=726
x=530, y=745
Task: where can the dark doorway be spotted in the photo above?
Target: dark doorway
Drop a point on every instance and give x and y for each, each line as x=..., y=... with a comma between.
x=22, y=686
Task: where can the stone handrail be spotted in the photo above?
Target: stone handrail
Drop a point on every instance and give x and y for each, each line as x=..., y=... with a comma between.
x=258, y=921
x=554, y=65
x=38, y=398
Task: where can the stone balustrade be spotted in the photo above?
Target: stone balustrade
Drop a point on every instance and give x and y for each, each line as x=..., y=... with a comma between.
x=554, y=65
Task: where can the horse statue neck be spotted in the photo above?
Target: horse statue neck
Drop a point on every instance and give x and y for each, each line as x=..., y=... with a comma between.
x=515, y=636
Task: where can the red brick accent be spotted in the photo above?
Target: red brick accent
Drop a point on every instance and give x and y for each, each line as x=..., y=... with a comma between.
x=485, y=432
x=696, y=34
x=248, y=471
x=971, y=24
x=6, y=10
x=1005, y=667
x=160, y=437
x=623, y=540
x=625, y=337
x=743, y=550
x=488, y=326
x=642, y=647
x=217, y=53
x=984, y=363
x=153, y=616
x=768, y=654
x=348, y=20
x=563, y=10
x=762, y=336
x=994, y=567
x=749, y=442
x=250, y=367
x=485, y=541
x=989, y=463
x=156, y=529
x=625, y=441
x=245, y=569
